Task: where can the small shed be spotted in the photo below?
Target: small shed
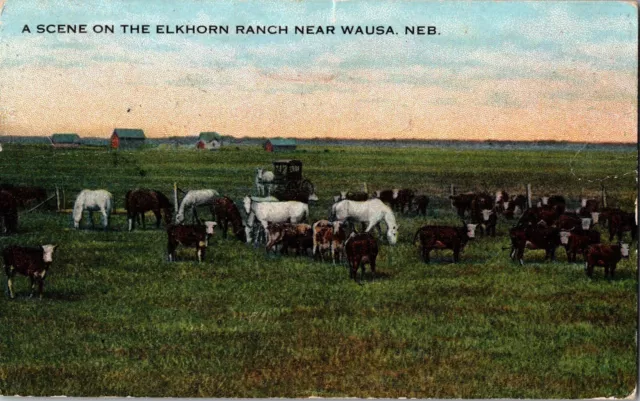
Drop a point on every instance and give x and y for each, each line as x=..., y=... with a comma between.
x=280, y=145
x=66, y=140
x=127, y=138
x=209, y=140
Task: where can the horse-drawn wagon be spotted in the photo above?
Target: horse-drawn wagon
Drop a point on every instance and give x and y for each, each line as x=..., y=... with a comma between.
x=285, y=178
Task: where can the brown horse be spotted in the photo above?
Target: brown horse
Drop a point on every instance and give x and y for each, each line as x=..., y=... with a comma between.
x=8, y=212
x=226, y=211
x=139, y=201
x=25, y=196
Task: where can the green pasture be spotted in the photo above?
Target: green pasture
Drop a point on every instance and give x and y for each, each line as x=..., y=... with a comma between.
x=117, y=319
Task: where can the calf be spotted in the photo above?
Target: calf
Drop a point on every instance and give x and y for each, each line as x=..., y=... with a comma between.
x=534, y=237
x=421, y=202
x=298, y=236
x=189, y=235
x=605, y=215
x=328, y=237
x=486, y=220
x=605, y=255
x=8, y=213
x=621, y=222
x=31, y=262
x=578, y=240
x=443, y=237
x=361, y=249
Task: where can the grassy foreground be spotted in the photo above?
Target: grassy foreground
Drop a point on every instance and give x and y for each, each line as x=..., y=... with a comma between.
x=117, y=319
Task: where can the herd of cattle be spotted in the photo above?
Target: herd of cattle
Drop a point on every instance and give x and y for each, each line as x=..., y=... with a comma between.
x=284, y=224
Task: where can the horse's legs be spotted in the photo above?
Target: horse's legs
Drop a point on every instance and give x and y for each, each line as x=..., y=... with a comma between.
x=156, y=212
x=91, y=218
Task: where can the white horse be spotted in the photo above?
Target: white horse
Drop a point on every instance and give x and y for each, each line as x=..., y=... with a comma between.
x=93, y=201
x=272, y=212
x=264, y=179
x=371, y=211
x=195, y=198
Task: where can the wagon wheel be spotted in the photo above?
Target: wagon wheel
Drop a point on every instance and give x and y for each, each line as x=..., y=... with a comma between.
x=307, y=186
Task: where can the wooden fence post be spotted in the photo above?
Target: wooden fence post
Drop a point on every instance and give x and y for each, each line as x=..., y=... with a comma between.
x=452, y=191
x=364, y=186
x=63, y=199
x=529, y=195
x=175, y=200
x=57, y=198
x=604, y=196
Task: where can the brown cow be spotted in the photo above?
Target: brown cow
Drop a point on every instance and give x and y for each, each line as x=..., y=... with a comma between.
x=534, y=237
x=621, y=222
x=31, y=262
x=605, y=255
x=189, y=235
x=578, y=240
x=298, y=236
x=387, y=196
x=328, y=237
x=444, y=237
x=361, y=249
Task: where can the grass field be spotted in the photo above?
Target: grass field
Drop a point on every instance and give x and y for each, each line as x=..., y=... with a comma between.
x=117, y=319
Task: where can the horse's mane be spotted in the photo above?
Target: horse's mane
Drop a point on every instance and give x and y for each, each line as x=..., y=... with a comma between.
x=163, y=201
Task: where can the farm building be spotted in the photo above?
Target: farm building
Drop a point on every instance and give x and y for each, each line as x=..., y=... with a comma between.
x=127, y=138
x=280, y=145
x=209, y=140
x=65, y=140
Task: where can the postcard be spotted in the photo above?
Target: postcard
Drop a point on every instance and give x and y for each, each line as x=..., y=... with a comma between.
x=387, y=199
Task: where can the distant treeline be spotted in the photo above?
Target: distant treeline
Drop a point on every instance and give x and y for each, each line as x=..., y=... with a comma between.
x=391, y=143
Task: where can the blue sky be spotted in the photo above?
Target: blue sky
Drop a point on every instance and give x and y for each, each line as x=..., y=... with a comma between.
x=533, y=68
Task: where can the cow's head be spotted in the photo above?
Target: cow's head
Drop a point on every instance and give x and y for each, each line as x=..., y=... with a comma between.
x=583, y=202
x=395, y=192
x=594, y=217
x=336, y=226
x=578, y=210
x=259, y=171
x=313, y=197
x=377, y=194
x=486, y=213
x=343, y=195
x=47, y=252
x=586, y=223
x=545, y=200
x=209, y=226
x=564, y=237
x=337, y=198
x=179, y=217
x=247, y=204
x=471, y=230
x=505, y=205
x=624, y=250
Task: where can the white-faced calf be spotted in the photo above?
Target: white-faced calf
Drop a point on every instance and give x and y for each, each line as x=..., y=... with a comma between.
x=607, y=256
x=31, y=262
x=189, y=235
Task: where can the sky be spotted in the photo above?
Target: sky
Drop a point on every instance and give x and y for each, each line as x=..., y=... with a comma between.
x=514, y=70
